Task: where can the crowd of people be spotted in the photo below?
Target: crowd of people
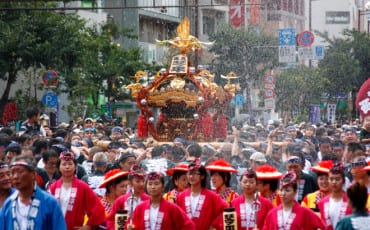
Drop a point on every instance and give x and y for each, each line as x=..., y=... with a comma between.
x=93, y=175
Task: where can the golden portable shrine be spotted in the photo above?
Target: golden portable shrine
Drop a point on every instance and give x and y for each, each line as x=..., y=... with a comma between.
x=182, y=101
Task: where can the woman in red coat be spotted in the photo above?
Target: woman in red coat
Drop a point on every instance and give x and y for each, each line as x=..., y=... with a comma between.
x=202, y=206
x=334, y=206
x=249, y=206
x=220, y=177
x=75, y=197
x=290, y=215
x=158, y=213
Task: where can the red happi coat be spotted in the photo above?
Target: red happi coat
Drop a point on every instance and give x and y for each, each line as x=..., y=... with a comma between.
x=208, y=212
x=122, y=203
x=301, y=218
x=324, y=206
x=170, y=217
x=82, y=201
x=239, y=205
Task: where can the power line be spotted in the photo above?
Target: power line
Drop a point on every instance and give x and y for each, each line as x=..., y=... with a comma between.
x=39, y=8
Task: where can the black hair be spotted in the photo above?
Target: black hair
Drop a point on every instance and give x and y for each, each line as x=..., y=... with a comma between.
x=49, y=153
x=40, y=144
x=226, y=176
x=23, y=138
x=157, y=151
x=117, y=144
x=177, y=152
x=61, y=133
x=325, y=140
x=124, y=157
x=353, y=146
x=32, y=112
x=330, y=156
x=357, y=194
x=15, y=149
x=337, y=143
x=4, y=139
x=194, y=150
x=26, y=158
x=203, y=172
x=8, y=131
x=320, y=131
x=115, y=182
x=176, y=175
x=274, y=183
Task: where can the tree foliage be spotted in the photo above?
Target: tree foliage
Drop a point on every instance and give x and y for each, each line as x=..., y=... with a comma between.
x=346, y=64
x=245, y=52
x=84, y=57
x=37, y=39
x=296, y=89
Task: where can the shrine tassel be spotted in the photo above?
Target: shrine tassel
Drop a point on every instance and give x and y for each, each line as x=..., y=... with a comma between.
x=221, y=131
x=207, y=125
x=142, y=126
x=229, y=218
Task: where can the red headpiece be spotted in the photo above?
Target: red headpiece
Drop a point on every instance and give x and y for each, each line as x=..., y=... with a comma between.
x=180, y=167
x=363, y=99
x=67, y=156
x=250, y=173
x=267, y=172
x=195, y=165
x=323, y=166
x=288, y=179
x=337, y=169
x=137, y=172
x=154, y=176
x=111, y=176
x=220, y=165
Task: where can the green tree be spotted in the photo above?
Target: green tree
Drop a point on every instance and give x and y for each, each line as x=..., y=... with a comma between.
x=37, y=39
x=296, y=89
x=249, y=54
x=245, y=52
x=346, y=63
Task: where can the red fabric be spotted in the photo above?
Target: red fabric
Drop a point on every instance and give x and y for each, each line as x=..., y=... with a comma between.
x=363, y=99
x=142, y=126
x=324, y=206
x=304, y=219
x=174, y=218
x=266, y=206
x=207, y=125
x=210, y=213
x=221, y=131
x=86, y=202
x=121, y=204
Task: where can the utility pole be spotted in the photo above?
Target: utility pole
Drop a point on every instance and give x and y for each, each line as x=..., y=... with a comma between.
x=196, y=34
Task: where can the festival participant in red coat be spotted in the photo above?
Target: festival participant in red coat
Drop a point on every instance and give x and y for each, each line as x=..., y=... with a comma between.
x=220, y=177
x=179, y=181
x=75, y=197
x=312, y=200
x=158, y=213
x=202, y=206
x=130, y=200
x=290, y=215
x=249, y=205
x=334, y=206
x=268, y=183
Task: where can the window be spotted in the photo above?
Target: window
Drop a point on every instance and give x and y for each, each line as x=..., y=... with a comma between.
x=208, y=25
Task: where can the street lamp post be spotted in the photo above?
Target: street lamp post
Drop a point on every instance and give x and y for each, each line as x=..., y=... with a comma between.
x=310, y=23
